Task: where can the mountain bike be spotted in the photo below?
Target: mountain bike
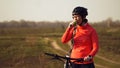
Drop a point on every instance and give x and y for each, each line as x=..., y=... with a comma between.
x=67, y=63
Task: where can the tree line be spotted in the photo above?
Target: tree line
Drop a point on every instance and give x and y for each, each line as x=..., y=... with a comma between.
x=55, y=24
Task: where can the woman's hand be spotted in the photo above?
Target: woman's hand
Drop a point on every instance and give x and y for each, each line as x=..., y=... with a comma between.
x=87, y=58
x=73, y=23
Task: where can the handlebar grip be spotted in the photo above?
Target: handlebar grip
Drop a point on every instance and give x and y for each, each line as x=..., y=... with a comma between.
x=49, y=54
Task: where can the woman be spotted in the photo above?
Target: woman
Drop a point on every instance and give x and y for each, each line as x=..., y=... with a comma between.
x=84, y=37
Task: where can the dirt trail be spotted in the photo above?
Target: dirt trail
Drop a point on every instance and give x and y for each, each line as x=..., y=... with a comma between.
x=56, y=46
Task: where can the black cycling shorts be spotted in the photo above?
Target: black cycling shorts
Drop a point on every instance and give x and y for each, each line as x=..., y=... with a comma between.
x=90, y=65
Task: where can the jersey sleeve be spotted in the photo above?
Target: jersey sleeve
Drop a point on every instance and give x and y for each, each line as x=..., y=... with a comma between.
x=67, y=35
x=95, y=45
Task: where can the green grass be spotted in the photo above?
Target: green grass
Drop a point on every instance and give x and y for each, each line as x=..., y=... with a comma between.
x=106, y=63
x=25, y=47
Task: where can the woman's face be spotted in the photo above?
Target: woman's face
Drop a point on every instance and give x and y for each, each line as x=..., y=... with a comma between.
x=77, y=18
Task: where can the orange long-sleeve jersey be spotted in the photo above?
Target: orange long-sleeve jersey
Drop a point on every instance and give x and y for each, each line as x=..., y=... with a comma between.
x=85, y=41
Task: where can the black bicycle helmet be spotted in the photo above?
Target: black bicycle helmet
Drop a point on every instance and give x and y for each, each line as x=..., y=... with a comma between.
x=80, y=11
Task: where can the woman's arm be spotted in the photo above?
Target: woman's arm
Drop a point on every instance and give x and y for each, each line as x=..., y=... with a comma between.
x=67, y=35
x=95, y=45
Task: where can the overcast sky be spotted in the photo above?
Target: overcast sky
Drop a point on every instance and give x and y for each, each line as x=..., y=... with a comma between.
x=57, y=10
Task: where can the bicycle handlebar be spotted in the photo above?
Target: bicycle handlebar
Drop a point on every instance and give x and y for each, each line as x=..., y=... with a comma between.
x=66, y=57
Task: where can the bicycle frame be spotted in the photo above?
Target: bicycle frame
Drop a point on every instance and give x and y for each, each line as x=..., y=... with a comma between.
x=67, y=64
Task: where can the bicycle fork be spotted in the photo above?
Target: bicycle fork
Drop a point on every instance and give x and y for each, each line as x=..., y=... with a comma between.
x=67, y=64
